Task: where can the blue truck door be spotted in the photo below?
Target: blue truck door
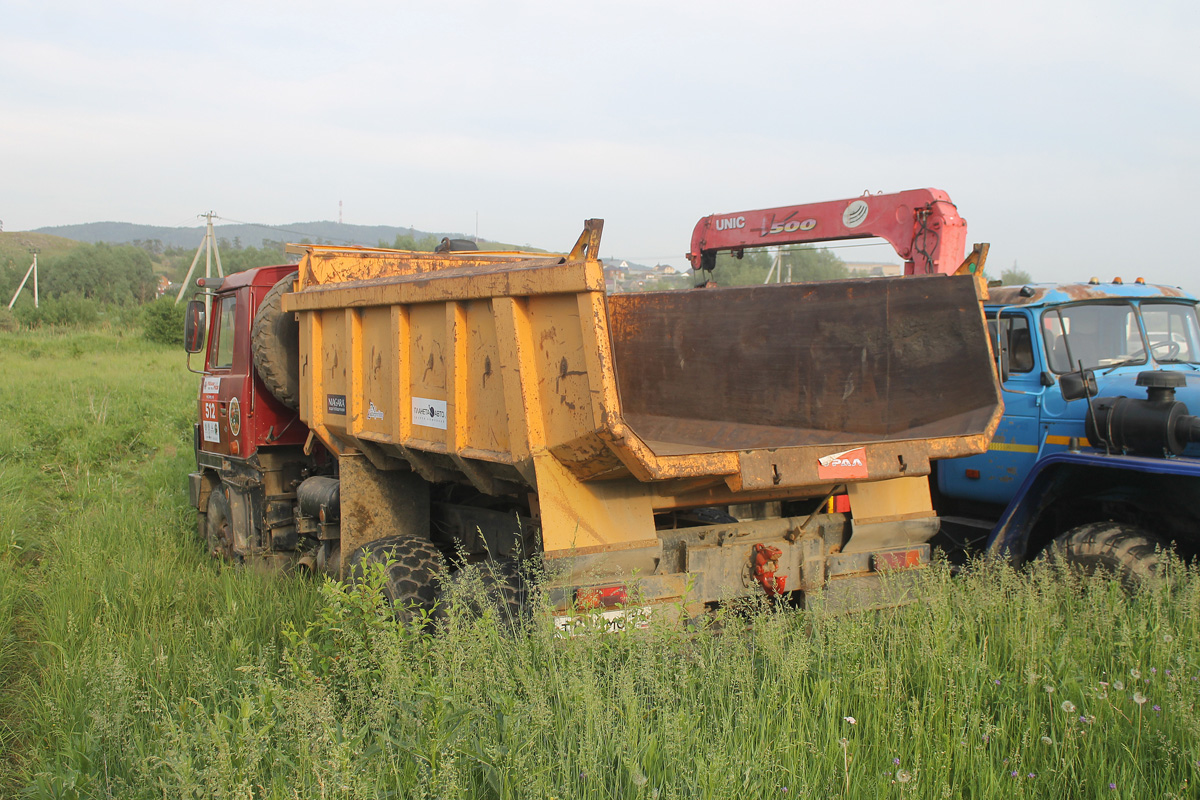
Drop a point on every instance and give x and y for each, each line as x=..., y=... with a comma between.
x=994, y=477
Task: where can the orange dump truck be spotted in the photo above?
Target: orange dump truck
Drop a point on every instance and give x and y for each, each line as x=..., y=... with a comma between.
x=661, y=447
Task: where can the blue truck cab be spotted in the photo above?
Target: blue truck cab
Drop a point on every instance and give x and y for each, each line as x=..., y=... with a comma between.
x=1043, y=331
x=1096, y=461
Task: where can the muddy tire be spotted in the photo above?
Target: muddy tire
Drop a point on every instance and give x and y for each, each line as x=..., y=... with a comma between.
x=218, y=527
x=275, y=343
x=499, y=585
x=1130, y=554
x=412, y=566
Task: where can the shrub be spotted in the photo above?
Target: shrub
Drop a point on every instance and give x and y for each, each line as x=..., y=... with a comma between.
x=8, y=321
x=164, y=321
x=68, y=310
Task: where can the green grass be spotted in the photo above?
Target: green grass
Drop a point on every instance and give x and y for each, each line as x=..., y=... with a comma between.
x=132, y=666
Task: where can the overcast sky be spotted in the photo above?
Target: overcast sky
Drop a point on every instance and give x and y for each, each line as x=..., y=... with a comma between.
x=1068, y=133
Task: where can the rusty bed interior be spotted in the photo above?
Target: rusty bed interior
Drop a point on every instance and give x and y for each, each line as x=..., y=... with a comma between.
x=812, y=363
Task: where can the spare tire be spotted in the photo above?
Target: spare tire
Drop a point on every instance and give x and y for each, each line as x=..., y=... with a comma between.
x=275, y=343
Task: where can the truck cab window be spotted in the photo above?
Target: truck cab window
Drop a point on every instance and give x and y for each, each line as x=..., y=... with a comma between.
x=223, y=348
x=1172, y=330
x=1098, y=334
x=1015, y=337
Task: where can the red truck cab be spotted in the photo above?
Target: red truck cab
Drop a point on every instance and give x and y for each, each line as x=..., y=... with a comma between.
x=237, y=413
x=249, y=444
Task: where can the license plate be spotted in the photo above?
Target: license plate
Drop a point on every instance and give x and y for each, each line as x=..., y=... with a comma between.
x=615, y=621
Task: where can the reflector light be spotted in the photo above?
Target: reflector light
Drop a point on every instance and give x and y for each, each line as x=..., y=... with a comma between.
x=900, y=559
x=973, y=474
x=1094, y=281
x=233, y=447
x=1117, y=280
x=1140, y=280
x=600, y=597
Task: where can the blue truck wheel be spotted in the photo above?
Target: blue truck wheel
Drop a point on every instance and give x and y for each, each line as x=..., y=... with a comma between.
x=1130, y=554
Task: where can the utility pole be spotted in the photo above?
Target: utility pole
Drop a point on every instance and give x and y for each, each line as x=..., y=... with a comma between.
x=32, y=270
x=209, y=246
x=776, y=270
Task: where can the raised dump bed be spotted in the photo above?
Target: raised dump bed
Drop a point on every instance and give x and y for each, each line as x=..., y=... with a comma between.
x=516, y=373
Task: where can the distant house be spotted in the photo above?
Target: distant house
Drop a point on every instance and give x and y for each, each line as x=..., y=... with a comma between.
x=874, y=269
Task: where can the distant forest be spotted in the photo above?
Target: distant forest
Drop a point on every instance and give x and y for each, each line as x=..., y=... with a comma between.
x=85, y=269
x=86, y=282
x=238, y=234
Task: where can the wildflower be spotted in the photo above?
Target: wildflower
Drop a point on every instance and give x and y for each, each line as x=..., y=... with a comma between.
x=851, y=720
x=1153, y=670
x=1033, y=774
x=1157, y=709
x=1135, y=674
x=1168, y=638
x=1112, y=786
x=1139, y=698
x=784, y=790
x=1049, y=689
x=997, y=681
x=1118, y=686
x=895, y=760
x=639, y=779
x=1047, y=740
x=1015, y=773
x=903, y=776
x=1068, y=706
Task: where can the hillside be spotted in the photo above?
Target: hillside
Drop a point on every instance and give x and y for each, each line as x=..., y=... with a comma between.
x=246, y=235
x=15, y=247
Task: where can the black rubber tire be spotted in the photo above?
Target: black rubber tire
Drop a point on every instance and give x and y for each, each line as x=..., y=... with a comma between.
x=413, y=567
x=218, y=529
x=275, y=344
x=499, y=584
x=1133, y=556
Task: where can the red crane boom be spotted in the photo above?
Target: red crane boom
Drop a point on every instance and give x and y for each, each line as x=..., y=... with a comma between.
x=922, y=225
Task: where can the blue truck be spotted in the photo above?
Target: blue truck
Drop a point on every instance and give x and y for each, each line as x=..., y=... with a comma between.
x=1097, y=458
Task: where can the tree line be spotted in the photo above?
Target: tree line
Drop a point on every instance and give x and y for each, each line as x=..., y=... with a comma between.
x=802, y=263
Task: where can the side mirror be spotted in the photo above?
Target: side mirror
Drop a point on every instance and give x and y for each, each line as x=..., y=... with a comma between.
x=1077, y=385
x=194, y=326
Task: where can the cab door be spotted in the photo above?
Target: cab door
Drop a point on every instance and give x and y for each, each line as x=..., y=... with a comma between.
x=224, y=381
x=994, y=476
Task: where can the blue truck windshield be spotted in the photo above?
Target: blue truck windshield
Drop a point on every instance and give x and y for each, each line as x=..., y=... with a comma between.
x=1098, y=334
x=1173, y=332
x=1108, y=335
